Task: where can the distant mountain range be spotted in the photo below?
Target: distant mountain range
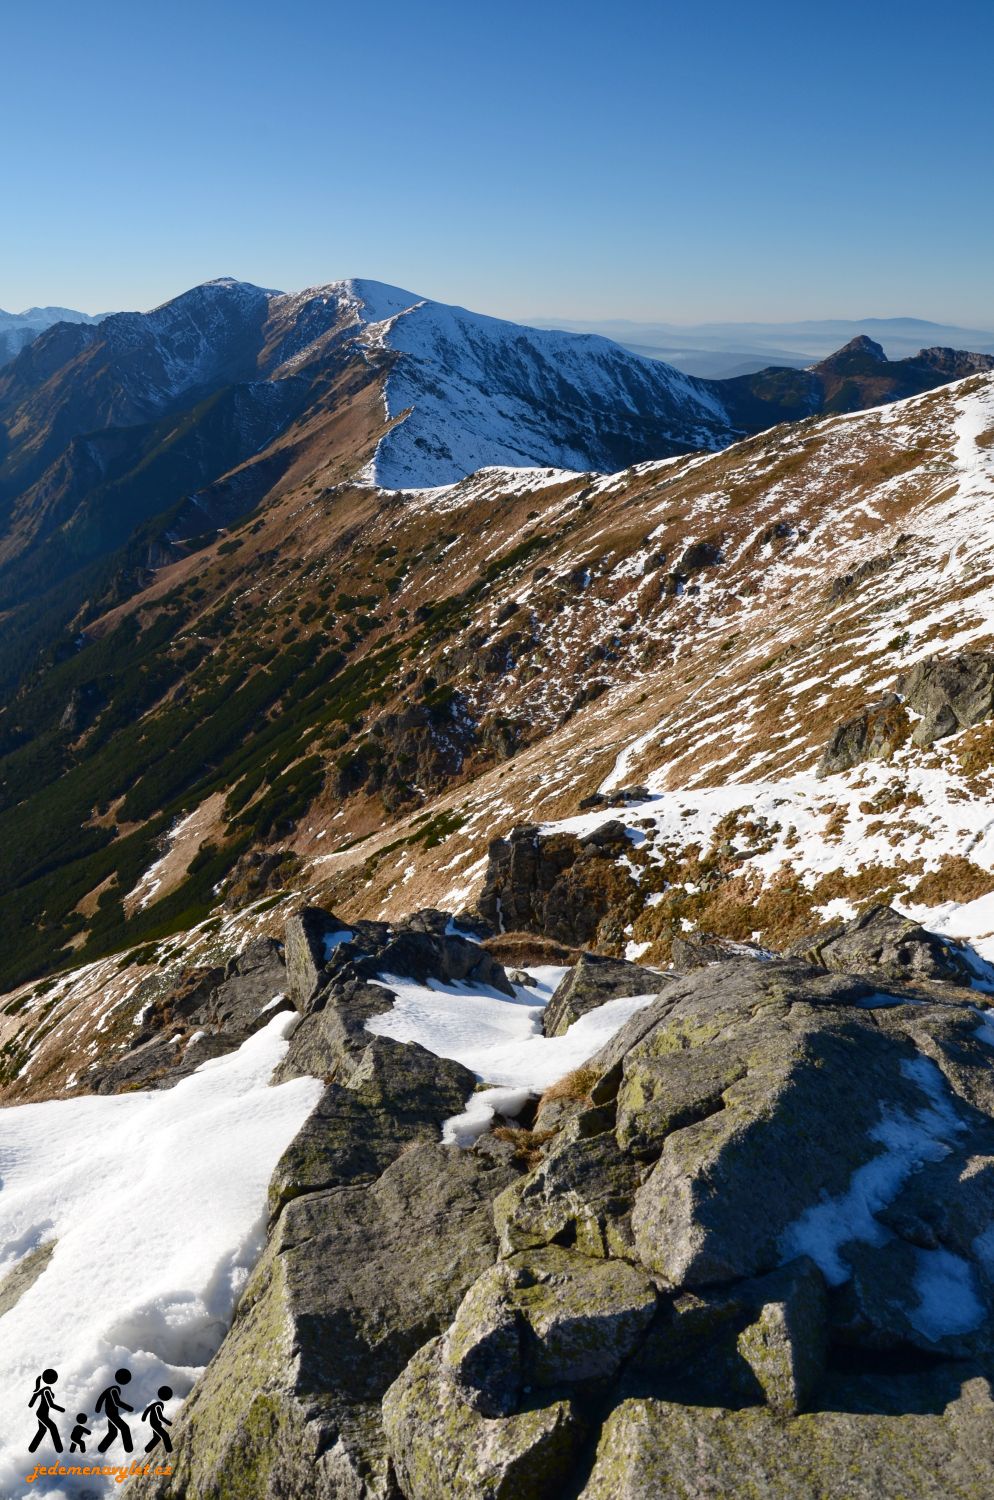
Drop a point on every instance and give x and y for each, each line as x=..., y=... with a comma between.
x=169, y=424
x=20, y=329
x=719, y=351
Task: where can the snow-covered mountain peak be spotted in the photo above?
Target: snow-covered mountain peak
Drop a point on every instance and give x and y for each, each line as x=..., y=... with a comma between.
x=479, y=391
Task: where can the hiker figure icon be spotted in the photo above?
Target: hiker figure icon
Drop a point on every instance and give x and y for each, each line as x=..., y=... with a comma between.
x=45, y=1398
x=155, y=1416
x=111, y=1404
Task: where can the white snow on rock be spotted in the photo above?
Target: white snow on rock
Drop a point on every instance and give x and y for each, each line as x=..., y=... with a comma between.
x=156, y=1204
x=499, y=1037
x=908, y=1140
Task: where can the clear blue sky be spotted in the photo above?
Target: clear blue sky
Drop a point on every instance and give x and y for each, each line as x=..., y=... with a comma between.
x=640, y=158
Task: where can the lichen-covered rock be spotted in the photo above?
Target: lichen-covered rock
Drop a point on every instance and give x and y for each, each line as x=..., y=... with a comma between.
x=306, y=952
x=545, y=1318
x=763, y=1340
x=764, y=1230
x=332, y=1038
x=353, y=1282
x=881, y=940
x=950, y=692
x=872, y=734
x=926, y=1436
x=735, y=1086
x=582, y=1191
x=786, y=1343
x=444, y=1449
x=591, y=982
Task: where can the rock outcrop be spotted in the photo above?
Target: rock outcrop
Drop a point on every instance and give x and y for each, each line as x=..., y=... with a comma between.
x=754, y=1253
x=571, y=889
x=353, y=1283
x=950, y=692
x=796, y=1163
x=203, y=1013
x=591, y=982
x=881, y=940
x=872, y=734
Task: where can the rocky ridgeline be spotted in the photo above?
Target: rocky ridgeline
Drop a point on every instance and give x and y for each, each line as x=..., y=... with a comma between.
x=747, y=1249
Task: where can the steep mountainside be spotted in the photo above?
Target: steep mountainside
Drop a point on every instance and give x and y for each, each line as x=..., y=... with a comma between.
x=353, y=690
x=155, y=428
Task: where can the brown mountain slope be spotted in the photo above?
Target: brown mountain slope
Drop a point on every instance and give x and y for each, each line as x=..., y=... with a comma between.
x=402, y=677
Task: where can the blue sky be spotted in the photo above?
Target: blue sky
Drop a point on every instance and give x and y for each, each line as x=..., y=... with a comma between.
x=757, y=160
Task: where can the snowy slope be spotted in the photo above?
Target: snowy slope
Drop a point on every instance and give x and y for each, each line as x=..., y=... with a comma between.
x=480, y=392
x=156, y=1205
x=730, y=767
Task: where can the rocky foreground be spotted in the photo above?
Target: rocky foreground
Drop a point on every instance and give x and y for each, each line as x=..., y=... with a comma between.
x=748, y=1249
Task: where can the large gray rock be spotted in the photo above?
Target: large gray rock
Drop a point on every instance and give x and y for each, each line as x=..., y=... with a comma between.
x=760, y=1341
x=396, y=1095
x=307, y=952
x=194, y=1016
x=581, y=1193
x=444, y=1449
x=872, y=734
x=734, y=1088
x=881, y=940
x=926, y=1436
x=950, y=692
x=785, y=1345
x=330, y=1041
x=764, y=1234
x=353, y=1282
x=545, y=1318
x=591, y=982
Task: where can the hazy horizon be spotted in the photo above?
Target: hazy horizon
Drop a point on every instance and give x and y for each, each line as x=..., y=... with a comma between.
x=737, y=164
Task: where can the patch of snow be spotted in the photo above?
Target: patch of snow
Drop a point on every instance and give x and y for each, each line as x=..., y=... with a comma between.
x=947, y=1295
x=332, y=940
x=497, y=1036
x=908, y=1140
x=157, y=1204
x=477, y=1117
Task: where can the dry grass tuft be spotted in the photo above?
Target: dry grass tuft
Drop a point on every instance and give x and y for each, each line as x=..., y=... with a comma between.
x=527, y=1143
x=574, y=1085
x=975, y=750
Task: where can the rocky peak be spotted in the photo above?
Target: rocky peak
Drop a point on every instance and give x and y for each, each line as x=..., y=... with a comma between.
x=858, y=350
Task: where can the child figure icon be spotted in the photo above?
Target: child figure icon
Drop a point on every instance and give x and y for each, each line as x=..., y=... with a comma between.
x=44, y=1396
x=154, y=1416
x=79, y=1432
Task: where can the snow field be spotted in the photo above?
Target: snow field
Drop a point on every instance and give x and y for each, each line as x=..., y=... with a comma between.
x=156, y=1204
